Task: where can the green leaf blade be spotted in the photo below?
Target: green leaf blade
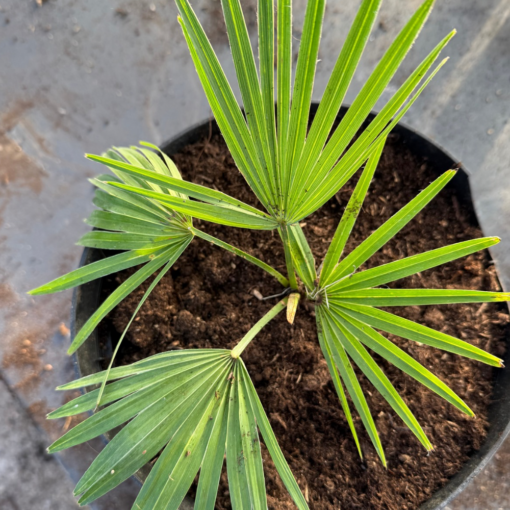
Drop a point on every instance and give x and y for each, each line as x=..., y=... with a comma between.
x=266, y=29
x=210, y=471
x=251, y=93
x=121, y=241
x=332, y=335
x=167, y=359
x=184, y=188
x=172, y=253
x=390, y=228
x=337, y=382
x=272, y=444
x=350, y=215
x=142, y=438
x=222, y=101
x=110, y=221
x=303, y=85
x=336, y=88
x=323, y=184
x=410, y=330
x=96, y=270
x=167, y=387
x=380, y=381
x=121, y=204
x=374, y=87
x=408, y=266
x=283, y=87
x=413, y=297
x=396, y=356
x=172, y=475
x=124, y=387
x=251, y=448
x=208, y=212
x=236, y=462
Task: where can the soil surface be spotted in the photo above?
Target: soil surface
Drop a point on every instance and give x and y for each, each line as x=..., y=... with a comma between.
x=209, y=300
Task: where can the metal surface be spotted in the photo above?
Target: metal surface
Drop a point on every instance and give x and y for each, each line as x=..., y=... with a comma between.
x=80, y=76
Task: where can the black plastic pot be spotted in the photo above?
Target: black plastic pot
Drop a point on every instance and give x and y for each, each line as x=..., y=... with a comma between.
x=86, y=300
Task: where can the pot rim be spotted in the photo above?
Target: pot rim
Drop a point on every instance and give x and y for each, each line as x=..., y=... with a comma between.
x=86, y=358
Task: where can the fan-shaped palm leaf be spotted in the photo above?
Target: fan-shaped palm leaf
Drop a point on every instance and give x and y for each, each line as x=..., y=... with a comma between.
x=190, y=407
x=348, y=313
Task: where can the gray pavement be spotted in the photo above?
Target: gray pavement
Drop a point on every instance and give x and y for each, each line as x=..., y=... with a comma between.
x=25, y=463
x=80, y=76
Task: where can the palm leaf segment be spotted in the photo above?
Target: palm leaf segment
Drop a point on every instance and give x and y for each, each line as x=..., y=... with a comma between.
x=348, y=317
x=190, y=407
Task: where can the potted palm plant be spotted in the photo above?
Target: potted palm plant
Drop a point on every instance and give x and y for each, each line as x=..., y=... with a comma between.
x=190, y=408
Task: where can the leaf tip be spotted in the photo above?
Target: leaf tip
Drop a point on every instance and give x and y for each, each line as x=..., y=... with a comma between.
x=467, y=410
x=53, y=448
x=38, y=291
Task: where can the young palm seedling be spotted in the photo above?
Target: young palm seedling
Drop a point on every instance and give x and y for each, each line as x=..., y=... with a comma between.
x=193, y=407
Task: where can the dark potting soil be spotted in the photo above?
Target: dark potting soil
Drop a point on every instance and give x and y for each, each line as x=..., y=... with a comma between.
x=209, y=300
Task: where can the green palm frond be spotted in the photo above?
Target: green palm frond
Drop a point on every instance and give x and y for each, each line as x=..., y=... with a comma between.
x=150, y=229
x=188, y=407
x=146, y=231
x=287, y=179
x=348, y=300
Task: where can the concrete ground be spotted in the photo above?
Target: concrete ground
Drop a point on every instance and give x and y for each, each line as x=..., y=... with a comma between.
x=80, y=76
